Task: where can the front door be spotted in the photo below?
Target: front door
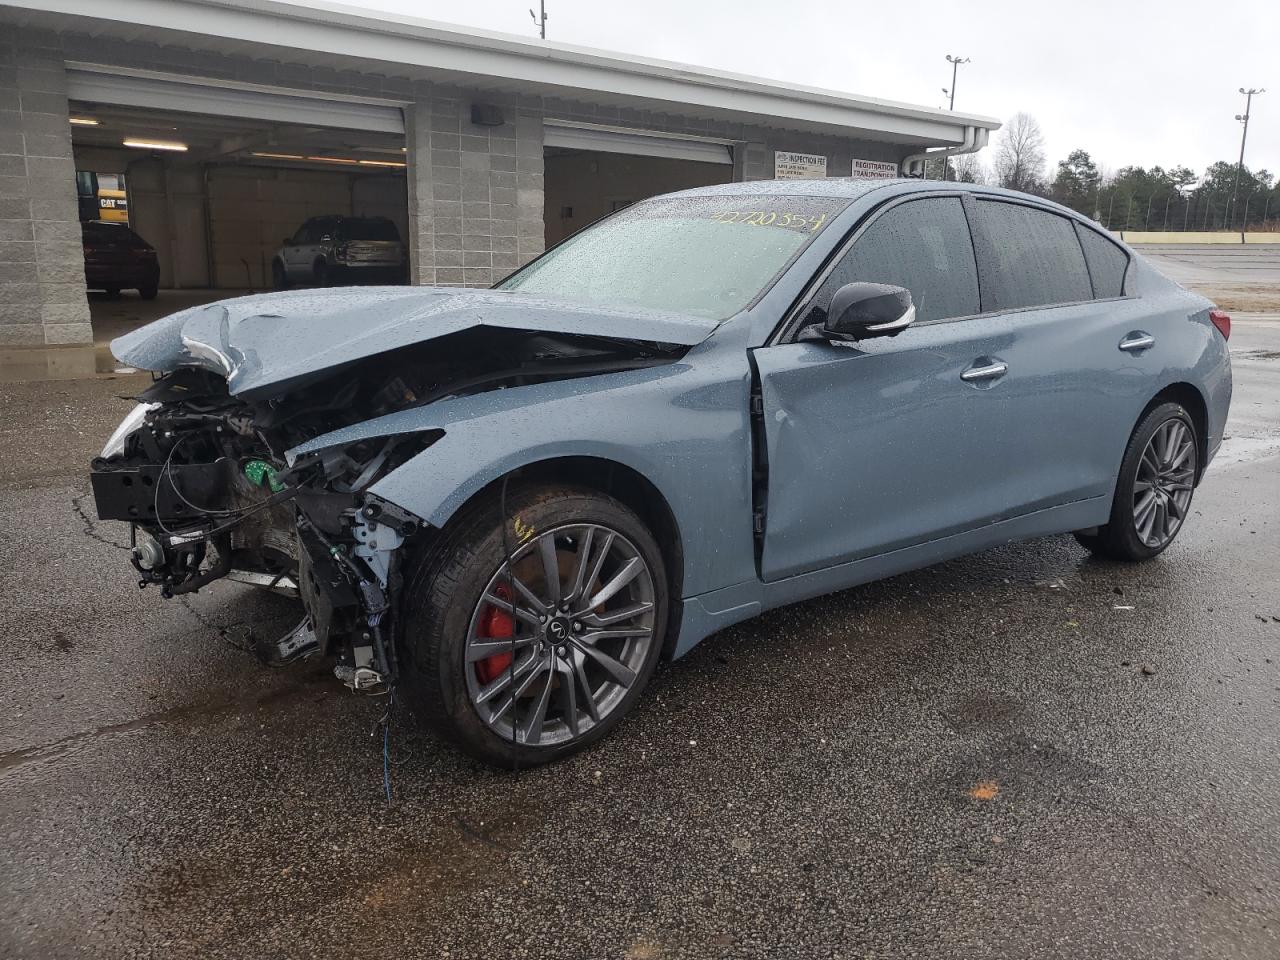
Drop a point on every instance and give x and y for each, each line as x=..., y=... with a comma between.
x=892, y=441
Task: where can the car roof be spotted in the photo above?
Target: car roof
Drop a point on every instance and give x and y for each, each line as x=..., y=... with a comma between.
x=848, y=188
x=852, y=188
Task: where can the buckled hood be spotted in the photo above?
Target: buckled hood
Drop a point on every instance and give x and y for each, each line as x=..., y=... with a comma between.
x=270, y=339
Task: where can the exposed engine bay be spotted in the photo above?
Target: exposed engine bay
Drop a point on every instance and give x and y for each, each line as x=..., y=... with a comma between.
x=204, y=481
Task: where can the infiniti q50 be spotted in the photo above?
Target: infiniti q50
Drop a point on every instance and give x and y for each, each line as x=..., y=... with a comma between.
x=510, y=503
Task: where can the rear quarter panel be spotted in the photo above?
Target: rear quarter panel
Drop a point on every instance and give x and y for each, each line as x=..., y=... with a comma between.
x=1188, y=347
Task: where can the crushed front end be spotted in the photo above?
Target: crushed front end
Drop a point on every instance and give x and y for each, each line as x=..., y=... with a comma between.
x=202, y=479
x=212, y=486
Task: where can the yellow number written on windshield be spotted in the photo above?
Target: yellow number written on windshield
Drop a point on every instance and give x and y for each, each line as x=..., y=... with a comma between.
x=770, y=218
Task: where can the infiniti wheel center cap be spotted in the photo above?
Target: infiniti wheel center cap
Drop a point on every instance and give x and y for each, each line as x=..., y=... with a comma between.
x=558, y=630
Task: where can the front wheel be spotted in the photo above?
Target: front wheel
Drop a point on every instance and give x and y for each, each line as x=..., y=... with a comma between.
x=525, y=663
x=1153, y=492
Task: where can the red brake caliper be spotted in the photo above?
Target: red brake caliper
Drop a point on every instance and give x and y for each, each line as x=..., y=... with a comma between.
x=495, y=624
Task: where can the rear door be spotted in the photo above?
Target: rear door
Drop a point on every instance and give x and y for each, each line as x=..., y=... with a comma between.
x=892, y=442
x=1075, y=346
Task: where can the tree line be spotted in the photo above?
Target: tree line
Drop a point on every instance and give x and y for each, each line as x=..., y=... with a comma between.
x=1131, y=198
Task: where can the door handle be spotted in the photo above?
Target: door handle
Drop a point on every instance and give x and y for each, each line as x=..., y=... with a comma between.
x=1136, y=341
x=993, y=370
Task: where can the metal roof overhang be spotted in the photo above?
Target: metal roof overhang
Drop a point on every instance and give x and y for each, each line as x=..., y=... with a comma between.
x=332, y=34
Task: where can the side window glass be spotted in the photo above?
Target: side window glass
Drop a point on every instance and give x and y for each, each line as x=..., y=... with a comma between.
x=304, y=233
x=1107, y=263
x=923, y=245
x=1035, y=258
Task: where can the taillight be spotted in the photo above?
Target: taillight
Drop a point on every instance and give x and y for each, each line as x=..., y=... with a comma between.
x=1221, y=320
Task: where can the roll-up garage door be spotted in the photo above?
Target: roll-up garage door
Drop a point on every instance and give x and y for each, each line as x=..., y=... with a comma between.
x=605, y=140
x=229, y=101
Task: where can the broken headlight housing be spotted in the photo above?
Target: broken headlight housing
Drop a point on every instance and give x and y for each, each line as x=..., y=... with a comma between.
x=128, y=427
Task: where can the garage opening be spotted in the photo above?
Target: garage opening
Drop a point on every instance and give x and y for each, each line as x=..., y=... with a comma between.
x=267, y=191
x=592, y=171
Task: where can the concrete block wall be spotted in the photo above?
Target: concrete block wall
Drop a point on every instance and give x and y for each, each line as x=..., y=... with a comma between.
x=42, y=298
x=475, y=192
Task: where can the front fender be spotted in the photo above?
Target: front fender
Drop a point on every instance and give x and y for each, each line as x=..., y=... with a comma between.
x=683, y=427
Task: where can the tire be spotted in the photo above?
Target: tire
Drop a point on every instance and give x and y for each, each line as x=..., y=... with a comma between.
x=1145, y=475
x=321, y=273
x=149, y=293
x=445, y=617
x=279, y=275
x=113, y=293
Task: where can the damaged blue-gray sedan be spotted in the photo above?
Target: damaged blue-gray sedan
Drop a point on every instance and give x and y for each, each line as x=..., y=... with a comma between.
x=510, y=503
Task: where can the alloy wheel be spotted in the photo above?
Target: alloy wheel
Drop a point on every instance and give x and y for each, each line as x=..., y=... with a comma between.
x=556, y=641
x=1163, y=485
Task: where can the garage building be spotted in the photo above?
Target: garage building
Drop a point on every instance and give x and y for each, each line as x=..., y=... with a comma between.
x=231, y=123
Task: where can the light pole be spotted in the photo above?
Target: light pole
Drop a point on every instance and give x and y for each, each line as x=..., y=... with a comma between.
x=1244, y=134
x=951, y=105
x=1244, y=223
x=1166, y=211
x=541, y=21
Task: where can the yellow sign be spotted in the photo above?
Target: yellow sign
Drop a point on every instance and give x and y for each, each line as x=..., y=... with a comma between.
x=113, y=206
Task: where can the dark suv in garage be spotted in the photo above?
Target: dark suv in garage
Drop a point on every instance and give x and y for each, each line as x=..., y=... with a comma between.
x=341, y=250
x=116, y=258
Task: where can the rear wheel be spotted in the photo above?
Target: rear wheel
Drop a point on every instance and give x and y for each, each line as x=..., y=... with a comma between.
x=525, y=664
x=1154, y=489
x=113, y=293
x=149, y=293
x=322, y=274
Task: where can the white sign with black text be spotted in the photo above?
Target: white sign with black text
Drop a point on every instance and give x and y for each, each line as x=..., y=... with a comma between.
x=874, y=169
x=798, y=166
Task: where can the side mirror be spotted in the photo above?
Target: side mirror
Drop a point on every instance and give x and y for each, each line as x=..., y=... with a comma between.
x=862, y=310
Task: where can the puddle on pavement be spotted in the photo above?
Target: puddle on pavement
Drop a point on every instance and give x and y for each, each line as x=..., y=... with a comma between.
x=19, y=364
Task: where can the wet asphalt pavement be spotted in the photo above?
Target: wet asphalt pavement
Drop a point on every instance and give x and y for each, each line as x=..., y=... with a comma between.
x=1021, y=753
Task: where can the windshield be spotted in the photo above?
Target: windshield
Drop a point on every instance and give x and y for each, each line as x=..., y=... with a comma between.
x=702, y=256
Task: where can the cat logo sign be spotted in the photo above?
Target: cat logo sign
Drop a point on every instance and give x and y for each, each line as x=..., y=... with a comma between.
x=113, y=206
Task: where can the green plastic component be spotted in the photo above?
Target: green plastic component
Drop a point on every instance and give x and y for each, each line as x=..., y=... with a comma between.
x=259, y=471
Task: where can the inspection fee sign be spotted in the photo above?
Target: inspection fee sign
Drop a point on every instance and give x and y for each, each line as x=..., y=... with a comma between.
x=798, y=166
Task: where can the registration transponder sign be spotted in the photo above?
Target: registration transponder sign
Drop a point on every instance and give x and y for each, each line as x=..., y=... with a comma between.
x=874, y=169
x=798, y=166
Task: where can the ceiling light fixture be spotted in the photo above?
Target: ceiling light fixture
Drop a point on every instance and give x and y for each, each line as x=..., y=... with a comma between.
x=344, y=161
x=83, y=121
x=156, y=145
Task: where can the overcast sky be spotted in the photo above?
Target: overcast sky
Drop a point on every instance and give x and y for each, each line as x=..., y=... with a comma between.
x=1132, y=82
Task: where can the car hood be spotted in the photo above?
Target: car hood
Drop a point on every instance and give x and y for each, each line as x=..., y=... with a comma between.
x=270, y=339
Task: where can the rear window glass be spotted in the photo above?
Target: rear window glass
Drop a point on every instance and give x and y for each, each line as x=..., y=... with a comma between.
x=369, y=230
x=1107, y=262
x=1036, y=259
x=922, y=245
